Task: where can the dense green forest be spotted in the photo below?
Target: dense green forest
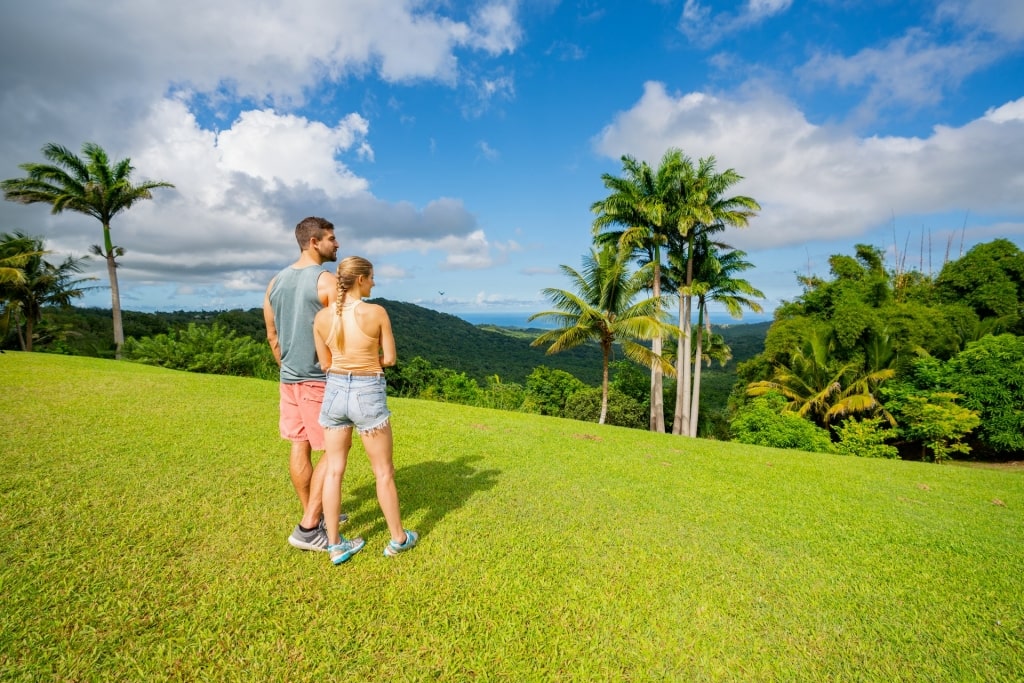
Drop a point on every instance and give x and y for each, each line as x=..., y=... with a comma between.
x=893, y=362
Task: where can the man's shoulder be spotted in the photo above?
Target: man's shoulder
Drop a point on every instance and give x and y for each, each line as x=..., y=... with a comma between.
x=298, y=269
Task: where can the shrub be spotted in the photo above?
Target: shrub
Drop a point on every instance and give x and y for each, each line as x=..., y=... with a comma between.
x=212, y=349
x=989, y=375
x=547, y=391
x=502, y=395
x=623, y=410
x=864, y=438
x=762, y=422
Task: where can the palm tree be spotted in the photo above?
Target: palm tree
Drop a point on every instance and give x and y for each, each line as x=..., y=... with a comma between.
x=41, y=284
x=640, y=206
x=819, y=388
x=15, y=252
x=701, y=210
x=602, y=309
x=92, y=186
x=715, y=282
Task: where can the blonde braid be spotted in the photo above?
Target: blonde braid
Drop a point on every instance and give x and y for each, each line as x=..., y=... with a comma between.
x=337, y=328
x=349, y=270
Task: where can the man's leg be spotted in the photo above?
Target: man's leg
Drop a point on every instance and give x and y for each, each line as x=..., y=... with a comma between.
x=308, y=482
x=314, y=507
x=300, y=468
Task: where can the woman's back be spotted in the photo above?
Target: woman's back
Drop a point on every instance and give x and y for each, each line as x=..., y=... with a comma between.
x=367, y=344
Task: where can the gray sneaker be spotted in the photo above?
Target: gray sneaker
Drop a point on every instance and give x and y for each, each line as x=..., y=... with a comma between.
x=342, y=521
x=314, y=539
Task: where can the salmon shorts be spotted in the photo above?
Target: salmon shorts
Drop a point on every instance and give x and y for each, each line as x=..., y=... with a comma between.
x=300, y=413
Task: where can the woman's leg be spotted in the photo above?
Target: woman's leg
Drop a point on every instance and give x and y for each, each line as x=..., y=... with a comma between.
x=379, y=446
x=337, y=444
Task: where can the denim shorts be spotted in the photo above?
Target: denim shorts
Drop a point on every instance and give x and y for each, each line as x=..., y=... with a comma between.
x=354, y=401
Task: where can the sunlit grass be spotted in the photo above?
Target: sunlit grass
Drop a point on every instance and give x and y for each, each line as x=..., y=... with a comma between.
x=144, y=516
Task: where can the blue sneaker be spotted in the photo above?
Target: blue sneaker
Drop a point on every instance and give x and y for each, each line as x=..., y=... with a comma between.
x=392, y=548
x=345, y=549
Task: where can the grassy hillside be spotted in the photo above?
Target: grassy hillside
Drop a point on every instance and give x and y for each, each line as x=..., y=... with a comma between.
x=144, y=512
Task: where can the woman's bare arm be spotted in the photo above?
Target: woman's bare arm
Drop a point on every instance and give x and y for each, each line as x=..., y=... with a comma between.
x=321, y=328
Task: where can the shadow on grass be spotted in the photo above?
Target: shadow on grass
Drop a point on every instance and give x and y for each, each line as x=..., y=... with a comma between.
x=434, y=487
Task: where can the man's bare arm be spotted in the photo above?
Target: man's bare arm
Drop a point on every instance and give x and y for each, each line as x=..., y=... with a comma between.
x=268, y=320
x=327, y=288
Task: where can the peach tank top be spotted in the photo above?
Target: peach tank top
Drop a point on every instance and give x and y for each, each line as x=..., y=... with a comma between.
x=361, y=353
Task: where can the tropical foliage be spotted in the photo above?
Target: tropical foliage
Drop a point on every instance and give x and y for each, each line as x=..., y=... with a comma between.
x=764, y=422
x=637, y=215
x=603, y=309
x=929, y=362
x=703, y=210
x=989, y=376
x=717, y=266
x=211, y=349
x=28, y=283
x=92, y=186
x=665, y=217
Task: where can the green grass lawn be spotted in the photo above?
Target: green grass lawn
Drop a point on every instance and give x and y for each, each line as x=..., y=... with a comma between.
x=144, y=516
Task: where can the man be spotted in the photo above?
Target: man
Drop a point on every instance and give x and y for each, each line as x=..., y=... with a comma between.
x=292, y=300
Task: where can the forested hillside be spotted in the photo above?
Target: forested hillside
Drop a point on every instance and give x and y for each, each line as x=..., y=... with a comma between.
x=442, y=339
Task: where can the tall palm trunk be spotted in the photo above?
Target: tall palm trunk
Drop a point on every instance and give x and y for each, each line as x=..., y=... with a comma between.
x=698, y=354
x=657, y=421
x=681, y=419
x=115, y=296
x=30, y=327
x=681, y=422
x=606, y=352
x=25, y=338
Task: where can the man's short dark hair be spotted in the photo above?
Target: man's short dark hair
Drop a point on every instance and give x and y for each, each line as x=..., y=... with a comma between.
x=310, y=228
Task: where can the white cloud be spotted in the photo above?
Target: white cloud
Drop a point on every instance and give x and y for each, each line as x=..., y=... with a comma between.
x=910, y=70
x=487, y=151
x=238, y=194
x=270, y=54
x=704, y=28
x=1002, y=18
x=240, y=189
x=473, y=251
x=767, y=8
x=818, y=183
x=481, y=91
x=294, y=150
x=495, y=28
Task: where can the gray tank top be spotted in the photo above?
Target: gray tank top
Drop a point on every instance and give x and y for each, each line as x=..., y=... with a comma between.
x=295, y=302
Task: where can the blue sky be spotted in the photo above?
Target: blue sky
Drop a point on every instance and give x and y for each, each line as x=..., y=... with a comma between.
x=459, y=145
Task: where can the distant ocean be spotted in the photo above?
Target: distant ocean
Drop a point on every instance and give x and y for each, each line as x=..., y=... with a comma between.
x=519, y=319
x=504, y=320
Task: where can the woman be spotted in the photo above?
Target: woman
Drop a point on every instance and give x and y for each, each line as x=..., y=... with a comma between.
x=354, y=343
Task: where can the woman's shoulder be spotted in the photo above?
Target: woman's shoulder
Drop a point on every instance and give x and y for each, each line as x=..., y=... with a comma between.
x=375, y=309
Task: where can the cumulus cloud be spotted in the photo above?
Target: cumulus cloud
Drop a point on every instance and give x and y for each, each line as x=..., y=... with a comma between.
x=241, y=187
x=473, y=251
x=495, y=28
x=816, y=182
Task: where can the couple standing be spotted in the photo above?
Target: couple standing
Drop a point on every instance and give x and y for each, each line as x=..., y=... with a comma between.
x=332, y=348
